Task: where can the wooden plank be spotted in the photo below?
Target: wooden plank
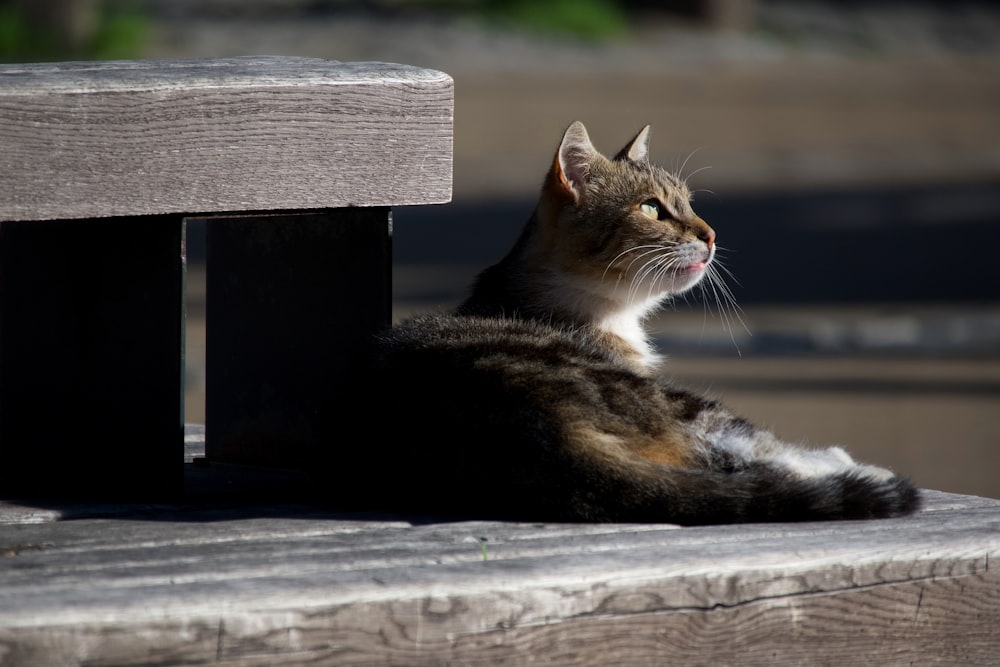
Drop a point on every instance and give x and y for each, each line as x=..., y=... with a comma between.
x=91, y=333
x=81, y=140
x=285, y=585
x=292, y=301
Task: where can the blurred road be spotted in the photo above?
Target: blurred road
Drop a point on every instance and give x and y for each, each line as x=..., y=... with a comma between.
x=848, y=155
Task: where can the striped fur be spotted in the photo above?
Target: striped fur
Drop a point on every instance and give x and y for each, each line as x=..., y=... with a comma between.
x=540, y=398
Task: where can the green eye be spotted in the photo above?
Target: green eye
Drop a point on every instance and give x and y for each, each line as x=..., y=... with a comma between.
x=651, y=208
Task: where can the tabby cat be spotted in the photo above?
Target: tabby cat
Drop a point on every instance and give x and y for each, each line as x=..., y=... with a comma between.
x=541, y=397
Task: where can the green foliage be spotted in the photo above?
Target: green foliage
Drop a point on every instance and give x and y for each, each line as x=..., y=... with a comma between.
x=120, y=33
x=16, y=39
x=587, y=19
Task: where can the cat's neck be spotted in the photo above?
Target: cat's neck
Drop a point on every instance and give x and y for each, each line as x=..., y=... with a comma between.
x=523, y=286
x=608, y=312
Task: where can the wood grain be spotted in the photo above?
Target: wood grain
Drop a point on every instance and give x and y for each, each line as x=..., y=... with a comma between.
x=285, y=585
x=81, y=140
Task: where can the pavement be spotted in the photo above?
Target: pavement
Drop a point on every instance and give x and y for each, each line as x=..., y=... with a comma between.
x=869, y=133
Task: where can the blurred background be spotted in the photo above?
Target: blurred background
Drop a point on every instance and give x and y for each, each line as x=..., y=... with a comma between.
x=846, y=153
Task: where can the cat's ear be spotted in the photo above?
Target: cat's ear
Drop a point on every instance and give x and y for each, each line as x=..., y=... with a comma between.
x=572, y=162
x=636, y=150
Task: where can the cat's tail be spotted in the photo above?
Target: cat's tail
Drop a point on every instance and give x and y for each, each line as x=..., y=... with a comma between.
x=760, y=493
x=771, y=494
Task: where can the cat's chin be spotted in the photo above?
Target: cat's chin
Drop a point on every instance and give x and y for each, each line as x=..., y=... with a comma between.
x=689, y=276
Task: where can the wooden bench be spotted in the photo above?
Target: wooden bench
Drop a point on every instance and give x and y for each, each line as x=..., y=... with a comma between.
x=294, y=163
x=290, y=584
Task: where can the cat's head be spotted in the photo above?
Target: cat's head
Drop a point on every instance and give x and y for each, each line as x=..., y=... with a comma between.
x=622, y=225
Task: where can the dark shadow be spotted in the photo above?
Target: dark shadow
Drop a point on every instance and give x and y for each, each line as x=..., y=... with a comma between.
x=214, y=501
x=211, y=492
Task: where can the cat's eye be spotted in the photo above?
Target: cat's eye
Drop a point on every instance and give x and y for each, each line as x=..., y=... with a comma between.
x=651, y=208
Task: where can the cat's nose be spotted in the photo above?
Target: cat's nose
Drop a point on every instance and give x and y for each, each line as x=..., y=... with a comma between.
x=702, y=231
x=707, y=235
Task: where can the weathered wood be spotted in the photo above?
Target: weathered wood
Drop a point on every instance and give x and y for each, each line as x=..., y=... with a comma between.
x=82, y=140
x=283, y=585
x=91, y=333
x=292, y=301
x=106, y=154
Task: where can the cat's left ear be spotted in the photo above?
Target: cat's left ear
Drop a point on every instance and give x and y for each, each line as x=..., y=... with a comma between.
x=572, y=162
x=636, y=150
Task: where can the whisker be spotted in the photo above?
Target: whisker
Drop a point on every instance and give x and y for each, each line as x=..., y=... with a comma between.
x=700, y=169
x=723, y=313
x=645, y=269
x=680, y=171
x=729, y=303
x=714, y=288
x=625, y=252
x=651, y=267
x=730, y=297
x=729, y=273
x=648, y=248
x=666, y=265
x=724, y=249
x=674, y=262
x=654, y=270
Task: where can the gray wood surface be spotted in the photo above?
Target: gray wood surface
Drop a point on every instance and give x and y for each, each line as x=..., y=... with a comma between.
x=81, y=140
x=289, y=584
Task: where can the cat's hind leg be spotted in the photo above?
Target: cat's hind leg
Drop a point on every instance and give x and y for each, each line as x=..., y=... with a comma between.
x=738, y=443
x=843, y=487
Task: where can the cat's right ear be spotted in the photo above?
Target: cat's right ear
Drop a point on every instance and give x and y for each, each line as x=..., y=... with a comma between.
x=572, y=161
x=636, y=150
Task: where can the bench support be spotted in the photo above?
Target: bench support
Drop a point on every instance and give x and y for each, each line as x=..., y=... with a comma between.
x=91, y=365
x=295, y=162
x=292, y=300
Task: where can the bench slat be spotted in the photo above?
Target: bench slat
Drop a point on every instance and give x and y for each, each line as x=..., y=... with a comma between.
x=85, y=140
x=289, y=585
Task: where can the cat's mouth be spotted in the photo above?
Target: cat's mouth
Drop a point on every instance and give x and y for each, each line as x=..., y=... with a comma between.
x=691, y=273
x=699, y=266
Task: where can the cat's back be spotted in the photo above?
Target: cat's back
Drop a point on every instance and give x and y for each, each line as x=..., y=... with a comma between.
x=513, y=380
x=510, y=415
x=509, y=380
x=470, y=341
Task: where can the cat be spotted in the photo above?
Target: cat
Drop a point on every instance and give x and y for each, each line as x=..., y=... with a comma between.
x=540, y=398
